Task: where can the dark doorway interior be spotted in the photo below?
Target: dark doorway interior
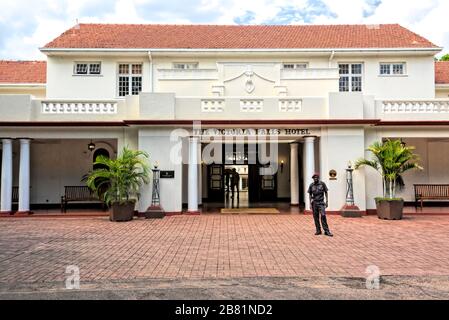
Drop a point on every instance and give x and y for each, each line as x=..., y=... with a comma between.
x=253, y=187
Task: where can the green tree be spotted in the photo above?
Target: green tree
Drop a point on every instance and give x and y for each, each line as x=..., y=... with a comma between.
x=121, y=177
x=391, y=159
x=445, y=57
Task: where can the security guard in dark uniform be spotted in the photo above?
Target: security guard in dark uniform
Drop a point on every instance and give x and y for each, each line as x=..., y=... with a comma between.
x=317, y=192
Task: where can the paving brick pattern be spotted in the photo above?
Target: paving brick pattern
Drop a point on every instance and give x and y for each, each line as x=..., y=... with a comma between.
x=216, y=246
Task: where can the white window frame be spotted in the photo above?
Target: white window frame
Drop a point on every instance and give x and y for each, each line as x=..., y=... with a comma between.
x=350, y=75
x=391, y=68
x=296, y=65
x=130, y=75
x=187, y=65
x=88, y=63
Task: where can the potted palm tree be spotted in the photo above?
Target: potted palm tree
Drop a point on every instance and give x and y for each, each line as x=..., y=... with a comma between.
x=118, y=181
x=391, y=159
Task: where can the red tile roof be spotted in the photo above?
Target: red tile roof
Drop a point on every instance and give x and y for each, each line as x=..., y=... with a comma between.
x=442, y=72
x=23, y=71
x=238, y=36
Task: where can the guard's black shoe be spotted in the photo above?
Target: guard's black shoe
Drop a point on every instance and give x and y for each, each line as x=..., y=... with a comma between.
x=318, y=233
x=329, y=234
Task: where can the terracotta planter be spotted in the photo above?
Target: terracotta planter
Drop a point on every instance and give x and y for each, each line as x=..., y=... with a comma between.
x=122, y=212
x=390, y=209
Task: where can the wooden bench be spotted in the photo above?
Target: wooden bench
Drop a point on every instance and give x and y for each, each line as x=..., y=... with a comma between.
x=431, y=192
x=81, y=194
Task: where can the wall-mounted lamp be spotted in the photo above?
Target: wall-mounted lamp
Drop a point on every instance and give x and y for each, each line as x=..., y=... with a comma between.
x=91, y=146
x=282, y=165
x=403, y=144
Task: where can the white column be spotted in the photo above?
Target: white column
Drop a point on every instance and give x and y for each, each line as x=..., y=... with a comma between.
x=309, y=166
x=24, y=176
x=200, y=176
x=294, y=174
x=6, y=190
x=193, y=176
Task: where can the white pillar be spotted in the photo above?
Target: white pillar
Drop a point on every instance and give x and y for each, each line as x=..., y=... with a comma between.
x=6, y=189
x=193, y=176
x=294, y=174
x=24, y=176
x=200, y=176
x=309, y=166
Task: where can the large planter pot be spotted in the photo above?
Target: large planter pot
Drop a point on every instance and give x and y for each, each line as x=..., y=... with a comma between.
x=122, y=212
x=390, y=209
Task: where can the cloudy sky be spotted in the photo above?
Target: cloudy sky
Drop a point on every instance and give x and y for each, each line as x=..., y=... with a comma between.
x=26, y=25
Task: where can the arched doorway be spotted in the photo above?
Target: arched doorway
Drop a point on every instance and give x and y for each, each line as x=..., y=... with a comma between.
x=99, y=152
x=97, y=166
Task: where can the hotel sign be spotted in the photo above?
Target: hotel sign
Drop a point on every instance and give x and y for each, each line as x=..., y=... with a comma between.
x=253, y=132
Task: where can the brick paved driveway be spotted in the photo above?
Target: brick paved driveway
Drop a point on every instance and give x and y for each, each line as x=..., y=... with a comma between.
x=38, y=249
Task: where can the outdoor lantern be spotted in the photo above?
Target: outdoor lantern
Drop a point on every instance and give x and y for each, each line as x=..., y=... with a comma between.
x=91, y=146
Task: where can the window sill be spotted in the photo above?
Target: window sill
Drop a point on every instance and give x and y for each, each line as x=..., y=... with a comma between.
x=87, y=75
x=393, y=75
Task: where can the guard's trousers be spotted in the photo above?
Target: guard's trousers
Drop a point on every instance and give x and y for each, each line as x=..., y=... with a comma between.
x=319, y=210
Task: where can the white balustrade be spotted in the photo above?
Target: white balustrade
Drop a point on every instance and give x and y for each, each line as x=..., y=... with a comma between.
x=251, y=105
x=290, y=105
x=436, y=106
x=212, y=105
x=72, y=107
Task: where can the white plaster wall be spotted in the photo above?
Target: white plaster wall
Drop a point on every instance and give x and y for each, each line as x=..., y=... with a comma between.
x=434, y=158
x=157, y=143
x=432, y=146
x=283, y=177
x=63, y=84
x=54, y=164
x=372, y=178
x=338, y=146
x=36, y=92
x=419, y=83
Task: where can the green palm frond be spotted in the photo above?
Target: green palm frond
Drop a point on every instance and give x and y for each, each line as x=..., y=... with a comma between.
x=391, y=159
x=119, y=180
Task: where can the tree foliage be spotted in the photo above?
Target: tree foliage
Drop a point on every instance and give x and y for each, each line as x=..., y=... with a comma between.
x=445, y=57
x=391, y=159
x=121, y=177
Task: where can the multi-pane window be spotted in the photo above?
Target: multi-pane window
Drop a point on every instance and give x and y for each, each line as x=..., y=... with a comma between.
x=95, y=68
x=294, y=65
x=86, y=68
x=387, y=69
x=129, y=79
x=185, y=65
x=351, y=77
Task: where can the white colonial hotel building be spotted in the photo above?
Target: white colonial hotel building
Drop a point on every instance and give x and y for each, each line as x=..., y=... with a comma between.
x=324, y=93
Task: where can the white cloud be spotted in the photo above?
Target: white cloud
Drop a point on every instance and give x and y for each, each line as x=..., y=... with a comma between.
x=26, y=25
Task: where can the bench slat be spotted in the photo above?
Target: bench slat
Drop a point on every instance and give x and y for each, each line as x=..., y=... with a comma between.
x=78, y=194
x=431, y=192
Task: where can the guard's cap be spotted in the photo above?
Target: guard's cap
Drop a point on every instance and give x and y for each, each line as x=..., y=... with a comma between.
x=316, y=174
